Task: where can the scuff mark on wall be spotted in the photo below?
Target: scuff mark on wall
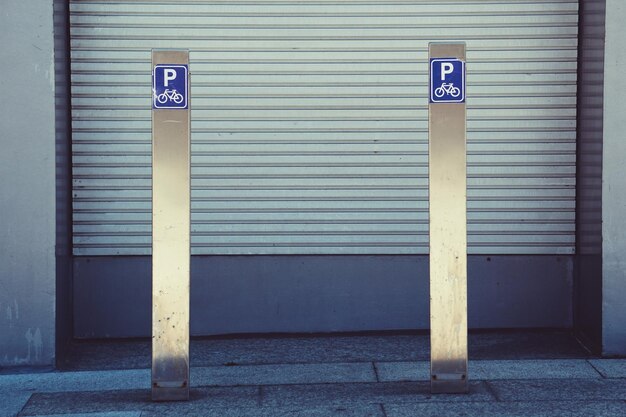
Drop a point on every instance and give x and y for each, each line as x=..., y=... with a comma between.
x=19, y=344
x=38, y=345
x=35, y=345
x=50, y=74
x=12, y=313
x=29, y=340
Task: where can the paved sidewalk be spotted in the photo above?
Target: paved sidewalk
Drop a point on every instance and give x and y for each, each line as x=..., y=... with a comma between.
x=352, y=381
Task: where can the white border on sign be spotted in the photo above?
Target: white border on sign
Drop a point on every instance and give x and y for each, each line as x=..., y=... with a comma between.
x=432, y=99
x=154, y=100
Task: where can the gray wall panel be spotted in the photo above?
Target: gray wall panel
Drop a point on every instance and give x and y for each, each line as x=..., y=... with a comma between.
x=27, y=184
x=256, y=294
x=613, y=184
x=309, y=130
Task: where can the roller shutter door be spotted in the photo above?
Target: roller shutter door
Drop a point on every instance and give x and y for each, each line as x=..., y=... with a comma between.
x=309, y=123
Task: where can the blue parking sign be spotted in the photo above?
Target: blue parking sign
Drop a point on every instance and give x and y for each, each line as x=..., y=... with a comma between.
x=170, y=86
x=447, y=80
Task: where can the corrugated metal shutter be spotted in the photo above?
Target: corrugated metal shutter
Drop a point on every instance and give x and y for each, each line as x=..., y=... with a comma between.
x=309, y=123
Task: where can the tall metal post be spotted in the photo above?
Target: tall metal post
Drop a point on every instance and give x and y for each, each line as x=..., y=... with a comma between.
x=170, y=225
x=448, y=218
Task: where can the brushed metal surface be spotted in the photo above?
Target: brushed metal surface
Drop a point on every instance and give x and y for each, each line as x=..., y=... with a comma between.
x=448, y=237
x=170, y=245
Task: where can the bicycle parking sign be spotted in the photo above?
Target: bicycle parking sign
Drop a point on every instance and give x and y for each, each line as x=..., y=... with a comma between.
x=170, y=86
x=447, y=80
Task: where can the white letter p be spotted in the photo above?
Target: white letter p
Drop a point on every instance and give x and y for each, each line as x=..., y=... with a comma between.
x=170, y=75
x=446, y=68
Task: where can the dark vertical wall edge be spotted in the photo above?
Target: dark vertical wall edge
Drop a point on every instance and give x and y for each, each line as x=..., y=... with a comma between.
x=588, y=269
x=64, y=308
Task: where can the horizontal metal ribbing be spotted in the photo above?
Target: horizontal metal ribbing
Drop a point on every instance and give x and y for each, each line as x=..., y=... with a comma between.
x=309, y=125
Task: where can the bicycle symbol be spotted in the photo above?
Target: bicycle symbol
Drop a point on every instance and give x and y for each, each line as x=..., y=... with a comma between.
x=448, y=89
x=170, y=95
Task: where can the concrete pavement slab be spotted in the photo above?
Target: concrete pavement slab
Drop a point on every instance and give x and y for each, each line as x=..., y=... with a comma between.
x=283, y=374
x=610, y=368
x=208, y=402
x=531, y=369
x=140, y=401
x=492, y=370
x=12, y=402
x=560, y=390
x=77, y=381
x=515, y=409
x=107, y=414
x=208, y=376
x=208, y=411
x=403, y=371
x=352, y=395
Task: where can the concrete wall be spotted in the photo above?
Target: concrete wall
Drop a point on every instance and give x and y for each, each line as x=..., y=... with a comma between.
x=27, y=184
x=614, y=183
